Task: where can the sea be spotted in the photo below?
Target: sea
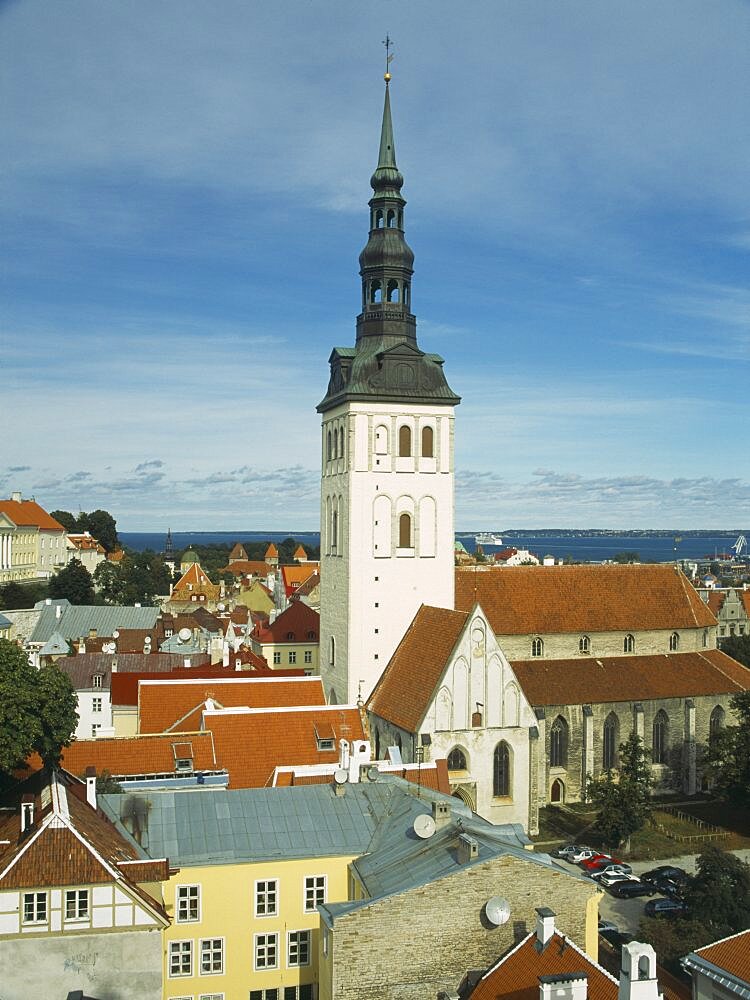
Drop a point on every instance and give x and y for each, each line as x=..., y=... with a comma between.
x=580, y=546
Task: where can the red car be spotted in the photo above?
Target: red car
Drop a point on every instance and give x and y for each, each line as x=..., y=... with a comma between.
x=598, y=860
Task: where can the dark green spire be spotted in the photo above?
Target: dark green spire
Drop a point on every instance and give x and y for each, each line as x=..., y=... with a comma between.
x=387, y=179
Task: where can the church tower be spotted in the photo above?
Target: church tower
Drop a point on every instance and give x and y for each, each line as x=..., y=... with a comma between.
x=386, y=528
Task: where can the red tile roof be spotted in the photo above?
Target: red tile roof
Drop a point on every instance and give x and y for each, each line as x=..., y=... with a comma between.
x=715, y=600
x=433, y=775
x=731, y=954
x=194, y=581
x=28, y=514
x=252, y=744
x=516, y=975
x=178, y=704
x=151, y=754
x=82, y=668
x=405, y=689
x=522, y=600
x=238, y=552
x=249, y=567
x=271, y=552
x=124, y=686
x=293, y=576
x=299, y=623
x=630, y=678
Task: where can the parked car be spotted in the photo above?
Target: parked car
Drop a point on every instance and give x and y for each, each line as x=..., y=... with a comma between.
x=618, y=868
x=670, y=886
x=591, y=864
x=615, y=878
x=626, y=890
x=568, y=851
x=583, y=854
x=606, y=926
x=663, y=871
x=664, y=908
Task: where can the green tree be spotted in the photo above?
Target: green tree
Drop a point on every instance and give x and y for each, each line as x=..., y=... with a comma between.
x=66, y=519
x=21, y=595
x=672, y=939
x=74, y=582
x=728, y=755
x=626, y=557
x=109, y=583
x=102, y=526
x=719, y=894
x=738, y=647
x=37, y=710
x=623, y=800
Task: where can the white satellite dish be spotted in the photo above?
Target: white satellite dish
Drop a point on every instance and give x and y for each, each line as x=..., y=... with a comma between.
x=497, y=910
x=116, y=634
x=340, y=776
x=424, y=826
x=219, y=607
x=184, y=634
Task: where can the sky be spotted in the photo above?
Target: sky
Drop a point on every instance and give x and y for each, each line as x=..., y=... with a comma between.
x=185, y=198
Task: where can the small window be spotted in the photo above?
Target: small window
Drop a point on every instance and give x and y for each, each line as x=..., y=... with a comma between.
x=267, y=898
x=558, y=743
x=329, y=447
x=298, y=949
x=428, y=442
x=584, y=644
x=628, y=644
x=97, y=680
x=332, y=651
x=404, y=441
x=180, y=958
x=716, y=721
x=501, y=770
x=292, y=656
x=610, y=741
x=341, y=442
x=315, y=892
x=674, y=642
x=537, y=647
x=35, y=907
x=308, y=656
x=277, y=657
x=188, y=904
x=212, y=956
x=266, y=951
x=457, y=760
x=96, y=704
x=660, y=738
x=404, y=532
x=95, y=727
x=76, y=904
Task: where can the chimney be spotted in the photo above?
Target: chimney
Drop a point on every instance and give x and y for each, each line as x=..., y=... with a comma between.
x=27, y=812
x=441, y=813
x=344, y=755
x=91, y=786
x=114, y=664
x=16, y=496
x=92, y=633
x=186, y=663
x=638, y=973
x=58, y=612
x=564, y=986
x=360, y=756
x=468, y=849
x=545, y=925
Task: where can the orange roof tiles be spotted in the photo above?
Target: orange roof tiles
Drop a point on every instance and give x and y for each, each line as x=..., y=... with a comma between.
x=194, y=581
x=150, y=754
x=167, y=704
x=517, y=974
x=252, y=744
x=124, y=686
x=406, y=687
x=299, y=553
x=715, y=600
x=294, y=576
x=630, y=678
x=731, y=954
x=249, y=567
x=521, y=600
x=271, y=552
x=28, y=514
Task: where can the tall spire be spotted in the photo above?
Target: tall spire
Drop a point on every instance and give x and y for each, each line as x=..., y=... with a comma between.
x=387, y=179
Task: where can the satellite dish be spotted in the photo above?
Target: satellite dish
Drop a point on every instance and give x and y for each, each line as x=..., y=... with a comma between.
x=373, y=774
x=219, y=607
x=424, y=826
x=497, y=910
x=340, y=776
x=184, y=634
x=116, y=634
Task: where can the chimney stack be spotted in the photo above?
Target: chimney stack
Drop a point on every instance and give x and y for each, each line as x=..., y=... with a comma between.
x=27, y=812
x=545, y=925
x=564, y=986
x=638, y=973
x=91, y=786
x=468, y=849
x=441, y=813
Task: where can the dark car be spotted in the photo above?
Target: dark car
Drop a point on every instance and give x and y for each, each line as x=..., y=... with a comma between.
x=626, y=890
x=664, y=908
x=662, y=872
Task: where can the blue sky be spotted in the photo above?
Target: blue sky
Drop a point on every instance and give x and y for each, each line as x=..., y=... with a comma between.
x=185, y=202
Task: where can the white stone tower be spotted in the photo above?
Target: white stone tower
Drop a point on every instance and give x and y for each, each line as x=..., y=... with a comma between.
x=386, y=530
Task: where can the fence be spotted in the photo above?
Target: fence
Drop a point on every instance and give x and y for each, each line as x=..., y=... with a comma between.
x=707, y=831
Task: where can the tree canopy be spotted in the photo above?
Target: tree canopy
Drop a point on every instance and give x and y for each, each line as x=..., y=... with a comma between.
x=37, y=710
x=139, y=577
x=623, y=800
x=738, y=647
x=74, y=582
x=98, y=523
x=728, y=755
x=22, y=595
x=719, y=894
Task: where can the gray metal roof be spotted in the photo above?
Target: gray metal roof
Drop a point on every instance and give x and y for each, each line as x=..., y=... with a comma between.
x=4, y=622
x=55, y=645
x=75, y=621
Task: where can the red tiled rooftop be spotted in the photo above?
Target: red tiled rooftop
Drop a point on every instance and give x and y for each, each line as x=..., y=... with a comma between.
x=299, y=623
x=150, y=754
x=124, y=687
x=28, y=514
x=731, y=954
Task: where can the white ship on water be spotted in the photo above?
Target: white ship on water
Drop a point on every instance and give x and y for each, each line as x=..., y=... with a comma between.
x=488, y=538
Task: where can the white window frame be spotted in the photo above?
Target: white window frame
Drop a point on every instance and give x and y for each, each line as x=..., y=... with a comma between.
x=268, y=940
x=180, y=950
x=264, y=893
x=186, y=899
x=308, y=656
x=96, y=704
x=211, y=996
x=310, y=890
x=211, y=948
x=81, y=904
x=35, y=898
x=296, y=942
x=277, y=657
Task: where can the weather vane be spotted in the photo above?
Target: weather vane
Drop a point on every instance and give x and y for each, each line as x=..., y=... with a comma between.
x=387, y=41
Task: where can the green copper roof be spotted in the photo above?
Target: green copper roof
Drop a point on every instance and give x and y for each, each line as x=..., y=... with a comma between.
x=387, y=179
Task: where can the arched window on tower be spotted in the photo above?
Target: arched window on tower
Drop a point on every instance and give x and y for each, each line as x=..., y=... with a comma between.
x=332, y=651
x=329, y=447
x=610, y=741
x=381, y=440
x=428, y=442
x=716, y=721
x=334, y=531
x=341, y=442
x=660, y=738
x=457, y=760
x=405, y=540
x=391, y=218
x=376, y=292
x=558, y=743
x=393, y=290
x=379, y=219
x=404, y=441
x=501, y=770
x=335, y=453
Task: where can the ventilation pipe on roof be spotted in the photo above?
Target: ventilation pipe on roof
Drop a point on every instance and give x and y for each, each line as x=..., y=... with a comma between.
x=58, y=611
x=441, y=813
x=91, y=786
x=359, y=758
x=468, y=849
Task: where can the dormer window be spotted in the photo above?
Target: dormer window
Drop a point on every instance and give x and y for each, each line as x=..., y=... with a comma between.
x=97, y=680
x=183, y=757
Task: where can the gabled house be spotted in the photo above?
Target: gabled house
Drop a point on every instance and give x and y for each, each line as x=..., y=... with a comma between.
x=73, y=890
x=721, y=971
x=32, y=543
x=290, y=640
x=193, y=588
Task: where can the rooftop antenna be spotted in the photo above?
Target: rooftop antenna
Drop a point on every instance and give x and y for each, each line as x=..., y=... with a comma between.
x=388, y=42
x=419, y=755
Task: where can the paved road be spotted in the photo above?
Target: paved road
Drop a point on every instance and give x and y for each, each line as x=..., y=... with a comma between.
x=626, y=913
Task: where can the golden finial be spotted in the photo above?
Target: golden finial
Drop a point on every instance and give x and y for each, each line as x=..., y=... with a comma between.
x=388, y=57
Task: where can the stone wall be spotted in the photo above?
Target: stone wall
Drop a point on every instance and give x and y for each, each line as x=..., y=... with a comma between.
x=562, y=646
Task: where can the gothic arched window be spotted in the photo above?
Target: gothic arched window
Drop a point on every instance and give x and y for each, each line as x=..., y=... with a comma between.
x=391, y=219
x=404, y=441
x=341, y=442
x=457, y=760
x=428, y=442
x=674, y=642
x=376, y=291
x=610, y=741
x=334, y=531
x=584, y=644
x=537, y=647
x=705, y=637
x=501, y=766
x=558, y=743
x=660, y=738
x=716, y=721
x=329, y=447
x=628, y=644
x=404, y=532
x=393, y=290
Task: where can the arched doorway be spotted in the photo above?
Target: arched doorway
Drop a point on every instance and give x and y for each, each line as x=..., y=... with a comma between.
x=557, y=792
x=464, y=794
